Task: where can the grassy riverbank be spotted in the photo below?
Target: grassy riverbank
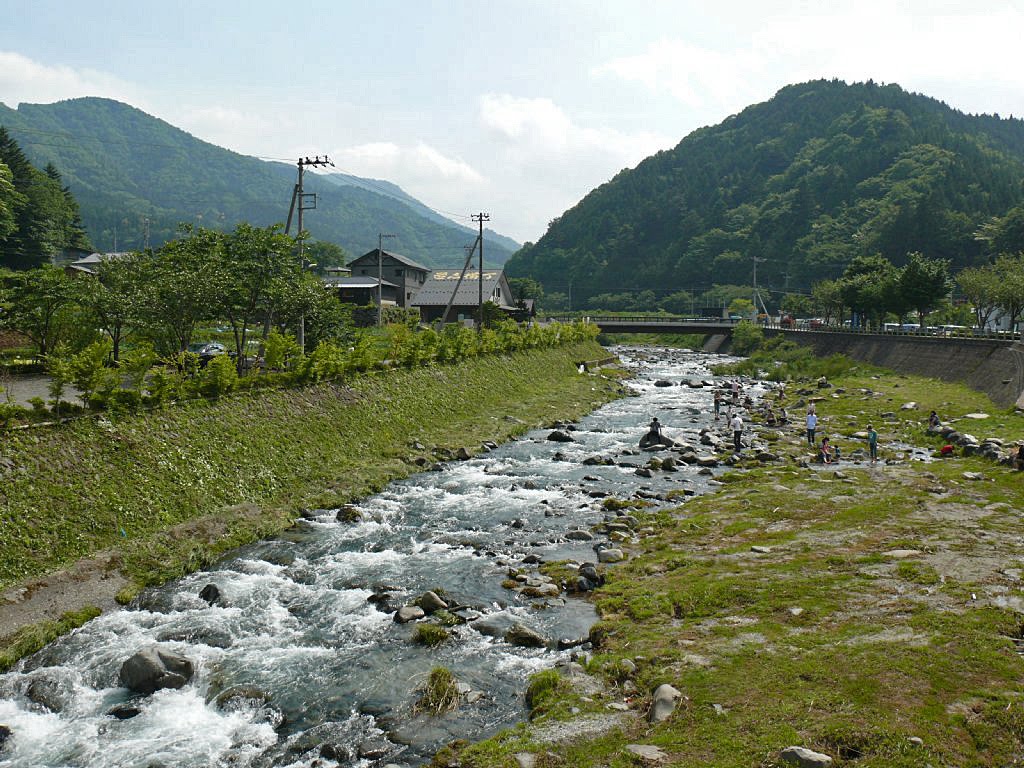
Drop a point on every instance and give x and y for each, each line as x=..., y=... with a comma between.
x=871, y=613
x=158, y=494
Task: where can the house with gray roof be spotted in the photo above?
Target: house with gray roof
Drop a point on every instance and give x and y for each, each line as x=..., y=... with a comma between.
x=407, y=275
x=436, y=292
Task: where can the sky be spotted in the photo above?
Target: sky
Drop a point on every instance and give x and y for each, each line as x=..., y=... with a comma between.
x=515, y=108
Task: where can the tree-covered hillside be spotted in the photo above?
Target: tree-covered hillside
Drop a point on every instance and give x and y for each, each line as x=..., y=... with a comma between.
x=134, y=174
x=821, y=173
x=39, y=217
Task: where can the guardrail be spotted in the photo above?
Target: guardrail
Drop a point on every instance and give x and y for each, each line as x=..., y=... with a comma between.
x=704, y=322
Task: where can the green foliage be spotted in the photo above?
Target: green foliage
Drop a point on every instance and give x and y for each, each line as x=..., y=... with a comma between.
x=820, y=174
x=281, y=351
x=39, y=217
x=439, y=693
x=543, y=685
x=430, y=635
x=33, y=638
x=128, y=170
x=218, y=377
x=746, y=337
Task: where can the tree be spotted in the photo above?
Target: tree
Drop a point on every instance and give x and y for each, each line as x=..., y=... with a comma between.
x=181, y=282
x=866, y=286
x=828, y=300
x=1009, y=269
x=257, y=270
x=10, y=201
x=322, y=254
x=115, y=296
x=981, y=287
x=526, y=288
x=923, y=283
x=798, y=304
x=741, y=307
x=35, y=299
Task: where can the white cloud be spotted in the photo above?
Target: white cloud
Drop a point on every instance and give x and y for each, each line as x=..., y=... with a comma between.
x=25, y=80
x=416, y=165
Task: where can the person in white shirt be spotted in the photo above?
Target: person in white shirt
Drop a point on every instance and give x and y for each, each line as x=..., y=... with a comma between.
x=812, y=425
x=737, y=431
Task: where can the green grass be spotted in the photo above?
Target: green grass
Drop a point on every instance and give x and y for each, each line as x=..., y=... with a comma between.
x=826, y=641
x=30, y=639
x=171, y=490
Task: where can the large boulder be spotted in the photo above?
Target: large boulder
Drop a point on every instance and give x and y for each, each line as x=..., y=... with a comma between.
x=154, y=668
x=559, y=436
x=430, y=602
x=408, y=613
x=663, y=703
x=525, y=637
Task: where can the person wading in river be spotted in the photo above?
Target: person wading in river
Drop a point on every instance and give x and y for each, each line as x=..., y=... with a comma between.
x=737, y=431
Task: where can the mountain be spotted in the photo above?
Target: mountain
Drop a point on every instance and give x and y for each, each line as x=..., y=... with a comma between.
x=491, y=238
x=136, y=178
x=802, y=183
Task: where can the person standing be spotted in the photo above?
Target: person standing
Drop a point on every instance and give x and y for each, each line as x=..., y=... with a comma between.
x=737, y=431
x=718, y=404
x=812, y=425
x=873, y=443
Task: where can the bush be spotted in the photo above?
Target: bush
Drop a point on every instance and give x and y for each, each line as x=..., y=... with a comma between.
x=439, y=694
x=429, y=635
x=747, y=338
x=218, y=377
x=280, y=351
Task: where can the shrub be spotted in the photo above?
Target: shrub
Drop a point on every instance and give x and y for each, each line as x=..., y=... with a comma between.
x=439, y=694
x=429, y=635
x=542, y=686
x=747, y=338
x=218, y=377
x=280, y=351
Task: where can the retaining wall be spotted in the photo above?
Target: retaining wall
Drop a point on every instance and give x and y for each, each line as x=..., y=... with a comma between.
x=988, y=365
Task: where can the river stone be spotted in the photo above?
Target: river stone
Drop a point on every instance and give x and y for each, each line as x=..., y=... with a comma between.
x=579, y=535
x=463, y=454
x=648, y=753
x=349, y=513
x=374, y=749
x=978, y=416
x=662, y=383
x=805, y=758
x=524, y=637
x=49, y=691
x=5, y=735
x=153, y=668
x=495, y=625
x=668, y=464
x=559, y=436
x=610, y=555
x=409, y=613
x=525, y=759
x=210, y=593
x=211, y=636
x=644, y=472
x=908, y=406
x=430, y=602
x=663, y=703
x=124, y=711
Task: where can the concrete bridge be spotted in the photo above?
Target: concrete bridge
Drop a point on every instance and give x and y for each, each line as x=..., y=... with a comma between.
x=990, y=363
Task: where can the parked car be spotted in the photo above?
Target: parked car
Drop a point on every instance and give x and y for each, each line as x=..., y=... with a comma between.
x=207, y=350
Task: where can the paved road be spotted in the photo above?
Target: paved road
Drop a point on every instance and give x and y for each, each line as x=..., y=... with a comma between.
x=19, y=389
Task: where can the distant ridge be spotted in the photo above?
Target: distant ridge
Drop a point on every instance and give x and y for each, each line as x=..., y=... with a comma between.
x=137, y=177
x=822, y=172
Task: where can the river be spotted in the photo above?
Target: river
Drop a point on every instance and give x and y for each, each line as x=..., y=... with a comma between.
x=318, y=662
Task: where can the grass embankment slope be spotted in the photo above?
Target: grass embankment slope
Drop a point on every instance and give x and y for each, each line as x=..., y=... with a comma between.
x=878, y=622
x=162, y=493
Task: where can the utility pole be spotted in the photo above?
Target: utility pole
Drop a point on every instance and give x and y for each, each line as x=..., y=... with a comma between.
x=481, y=218
x=470, y=250
x=380, y=277
x=301, y=197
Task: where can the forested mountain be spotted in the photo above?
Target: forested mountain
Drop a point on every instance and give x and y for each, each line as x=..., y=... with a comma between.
x=137, y=177
x=39, y=217
x=821, y=173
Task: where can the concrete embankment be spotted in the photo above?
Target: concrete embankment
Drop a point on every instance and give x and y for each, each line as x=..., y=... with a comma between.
x=991, y=366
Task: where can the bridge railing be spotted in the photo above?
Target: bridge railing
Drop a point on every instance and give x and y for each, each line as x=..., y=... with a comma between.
x=703, y=322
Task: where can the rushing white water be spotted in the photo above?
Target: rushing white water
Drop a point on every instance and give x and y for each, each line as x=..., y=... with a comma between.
x=293, y=621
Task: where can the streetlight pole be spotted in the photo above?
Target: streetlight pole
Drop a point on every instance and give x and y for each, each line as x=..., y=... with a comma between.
x=380, y=277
